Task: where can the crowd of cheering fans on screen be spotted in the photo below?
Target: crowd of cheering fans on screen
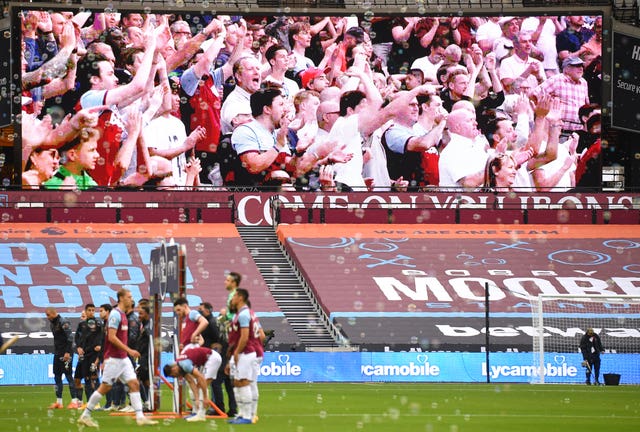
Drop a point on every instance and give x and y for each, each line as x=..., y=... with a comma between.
x=302, y=103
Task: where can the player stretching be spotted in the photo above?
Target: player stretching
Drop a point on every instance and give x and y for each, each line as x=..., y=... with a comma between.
x=117, y=365
x=244, y=345
x=186, y=366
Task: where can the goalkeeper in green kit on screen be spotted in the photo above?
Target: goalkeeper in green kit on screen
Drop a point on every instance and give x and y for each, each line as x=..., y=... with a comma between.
x=591, y=347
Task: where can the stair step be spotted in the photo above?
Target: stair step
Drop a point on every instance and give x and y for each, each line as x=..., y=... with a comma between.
x=286, y=282
x=288, y=309
x=310, y=317
x=293, y=302
x=294, y=314
x=281, y=278
x=281, y=284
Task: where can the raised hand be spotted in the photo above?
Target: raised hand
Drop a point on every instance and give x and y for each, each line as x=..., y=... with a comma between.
x=68, y=36
x=555, y=113
x=134, y=121
x=326, y=177
x=501, y=146
x=490, y=61
x=543, y=105
x=340, y=156
x=522, y=104
x=523, y=155
x=197, y=135
x=193, y=166
x=400, y=184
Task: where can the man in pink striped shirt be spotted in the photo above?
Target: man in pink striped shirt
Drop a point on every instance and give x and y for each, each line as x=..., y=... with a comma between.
x=572, y=90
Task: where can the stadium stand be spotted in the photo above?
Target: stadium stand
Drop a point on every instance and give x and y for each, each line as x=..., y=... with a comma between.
x=344, y=308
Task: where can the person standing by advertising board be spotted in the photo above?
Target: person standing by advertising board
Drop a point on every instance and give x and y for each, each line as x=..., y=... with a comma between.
x=62, y=355
x=591, y=347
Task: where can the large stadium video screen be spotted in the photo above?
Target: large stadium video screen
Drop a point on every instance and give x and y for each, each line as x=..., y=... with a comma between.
x=190, y=101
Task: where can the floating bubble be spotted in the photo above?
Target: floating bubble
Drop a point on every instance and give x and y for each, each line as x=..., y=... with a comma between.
x=563, y=216
x=70, y=199
x=34, y=323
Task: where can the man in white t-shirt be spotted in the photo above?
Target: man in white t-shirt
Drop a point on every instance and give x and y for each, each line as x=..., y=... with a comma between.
x=279, y=59
x=503, y=45
x=462, y=162
x=543, y=33
x=521, y=66
x=429, y=64
x=166, y=137
x=487, y=33
x=300, y=40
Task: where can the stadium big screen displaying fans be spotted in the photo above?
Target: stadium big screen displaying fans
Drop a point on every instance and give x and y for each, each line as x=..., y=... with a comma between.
x=310, y=103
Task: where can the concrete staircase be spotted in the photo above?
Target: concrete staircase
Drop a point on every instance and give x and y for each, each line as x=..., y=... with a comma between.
x=290, y=291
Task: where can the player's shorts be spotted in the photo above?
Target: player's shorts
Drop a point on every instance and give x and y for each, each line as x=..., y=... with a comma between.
x=116, y=369
x=79, y=372
x=245, y=369
x=85, y=367
x=256, y=366
x=212, y=365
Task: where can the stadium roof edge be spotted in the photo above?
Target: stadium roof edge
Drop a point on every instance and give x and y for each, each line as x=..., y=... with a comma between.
x=337, y=7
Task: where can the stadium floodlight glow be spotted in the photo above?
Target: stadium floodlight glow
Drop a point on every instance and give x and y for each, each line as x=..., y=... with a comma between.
x=561, y=320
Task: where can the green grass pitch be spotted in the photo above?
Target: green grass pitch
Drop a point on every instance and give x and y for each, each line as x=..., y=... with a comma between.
x=373, y=407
